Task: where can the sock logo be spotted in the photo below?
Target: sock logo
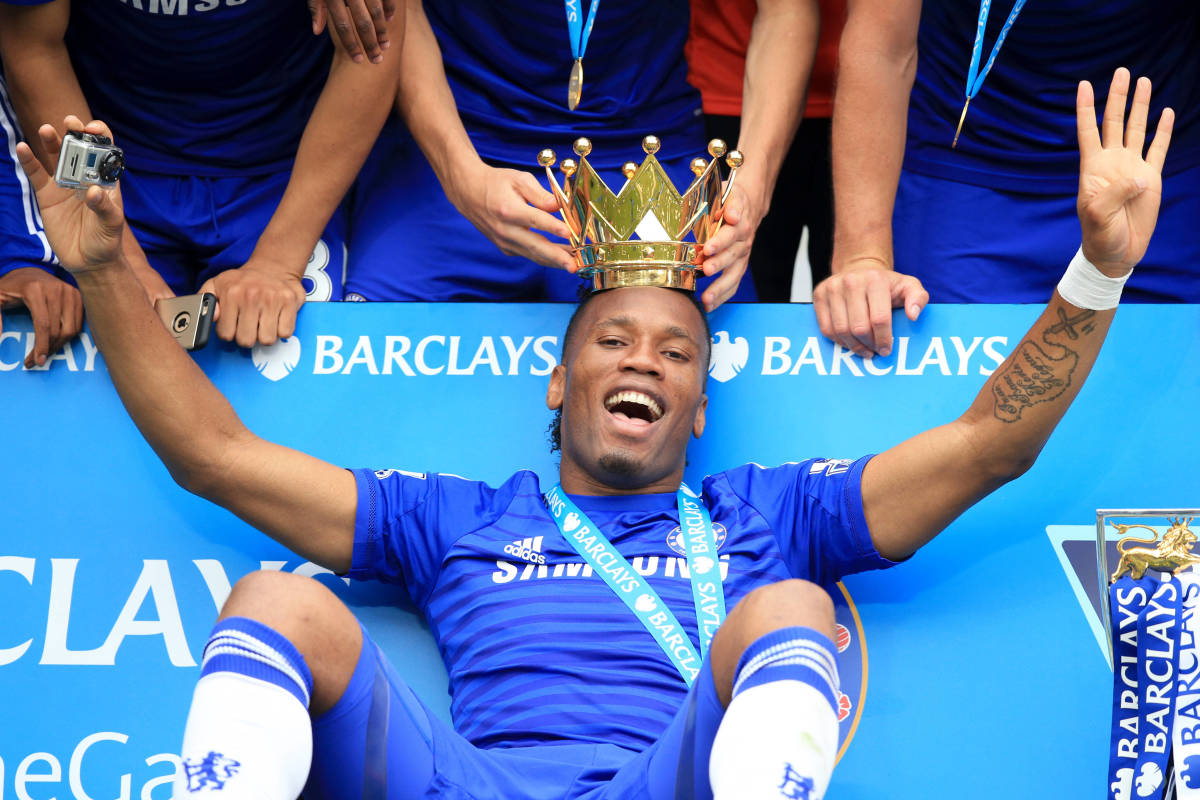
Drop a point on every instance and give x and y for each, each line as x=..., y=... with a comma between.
x=795, y=785
x=210, y=772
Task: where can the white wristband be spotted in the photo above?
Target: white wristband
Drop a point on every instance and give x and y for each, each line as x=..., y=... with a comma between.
x=1085, y=286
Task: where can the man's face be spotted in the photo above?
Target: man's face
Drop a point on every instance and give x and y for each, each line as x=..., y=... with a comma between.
x=632, y=390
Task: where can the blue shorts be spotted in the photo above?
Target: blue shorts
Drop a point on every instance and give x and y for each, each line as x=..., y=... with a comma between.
x=380, y=742
x=411, y=243
x=22, y=241
x=971, y=244
x=194, y=227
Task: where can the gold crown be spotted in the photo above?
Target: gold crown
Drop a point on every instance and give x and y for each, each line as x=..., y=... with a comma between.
x=649, y=205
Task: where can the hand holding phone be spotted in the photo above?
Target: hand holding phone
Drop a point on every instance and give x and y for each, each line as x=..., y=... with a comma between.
x=188, y=318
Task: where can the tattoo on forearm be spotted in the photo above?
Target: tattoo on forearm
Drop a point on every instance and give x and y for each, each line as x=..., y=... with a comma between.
x=1036, y=374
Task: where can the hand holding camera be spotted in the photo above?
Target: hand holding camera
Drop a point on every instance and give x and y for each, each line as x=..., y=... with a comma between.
x=86, y=159
x=84, y=227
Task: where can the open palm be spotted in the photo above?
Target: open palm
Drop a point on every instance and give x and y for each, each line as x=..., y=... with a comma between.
x=1119, y=190
x=84, y=228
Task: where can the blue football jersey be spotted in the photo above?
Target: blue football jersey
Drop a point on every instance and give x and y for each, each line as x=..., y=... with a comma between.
x=507, y=62
x=1020, y=132
x=199, y=87
x=538, y=648
x=23, y=243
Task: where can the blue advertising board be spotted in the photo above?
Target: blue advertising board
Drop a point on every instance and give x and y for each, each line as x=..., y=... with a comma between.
x=973, y=669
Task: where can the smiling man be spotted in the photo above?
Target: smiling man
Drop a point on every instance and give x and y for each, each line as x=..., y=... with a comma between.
x=598, y=681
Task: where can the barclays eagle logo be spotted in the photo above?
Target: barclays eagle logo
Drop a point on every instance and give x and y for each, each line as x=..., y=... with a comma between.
x=1146, y=783
x=728, y=357
x=277, y=361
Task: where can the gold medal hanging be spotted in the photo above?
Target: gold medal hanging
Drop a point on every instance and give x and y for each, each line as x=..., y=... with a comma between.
x=579, y=31
x=961, y=119
x=575, y=84
x=975, y=75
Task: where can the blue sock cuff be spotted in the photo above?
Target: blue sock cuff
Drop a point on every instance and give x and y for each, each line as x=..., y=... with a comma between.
x=247, y=647
x=794, y=653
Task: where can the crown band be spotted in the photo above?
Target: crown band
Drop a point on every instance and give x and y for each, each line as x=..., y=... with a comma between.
x=617, y=277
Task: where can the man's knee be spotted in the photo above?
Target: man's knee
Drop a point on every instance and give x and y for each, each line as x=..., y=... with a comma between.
x=308, y=615
x=785, y=604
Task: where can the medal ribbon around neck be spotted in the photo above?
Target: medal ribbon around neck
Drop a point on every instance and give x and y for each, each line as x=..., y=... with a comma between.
x=704, y=569
x=975, y=77
x=579, y=33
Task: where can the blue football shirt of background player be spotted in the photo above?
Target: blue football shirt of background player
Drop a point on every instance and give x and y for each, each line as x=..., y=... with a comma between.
x=242, y=133
x=27, y=264
x=452, y=191
x=991, y=219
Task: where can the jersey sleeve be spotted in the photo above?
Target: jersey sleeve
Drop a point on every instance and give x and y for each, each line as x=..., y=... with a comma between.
x=816, y=511
x=406, y=521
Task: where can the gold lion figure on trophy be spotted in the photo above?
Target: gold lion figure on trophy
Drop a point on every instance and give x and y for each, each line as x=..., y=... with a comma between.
x=1173, y=554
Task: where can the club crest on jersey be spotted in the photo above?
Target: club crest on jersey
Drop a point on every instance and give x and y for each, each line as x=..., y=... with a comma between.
x=675, y=538
x=211, y=772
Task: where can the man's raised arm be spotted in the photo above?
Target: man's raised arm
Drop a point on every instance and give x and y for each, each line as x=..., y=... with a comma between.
x=914, y=490
x=304, y=503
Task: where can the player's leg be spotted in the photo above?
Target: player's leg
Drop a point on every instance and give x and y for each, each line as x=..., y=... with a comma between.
x=761, y=720
x=285, y=648
x=775, y=668
x=411, y=243
x=1167, y=273
x=163, y=213
x=973, y=244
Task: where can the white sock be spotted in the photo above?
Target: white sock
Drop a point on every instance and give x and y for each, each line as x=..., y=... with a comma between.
x=245, y=738
x=248, y=735
x=773, y=739
x=779, y=736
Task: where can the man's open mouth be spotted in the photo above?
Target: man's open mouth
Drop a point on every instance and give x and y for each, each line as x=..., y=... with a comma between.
x=632, y=405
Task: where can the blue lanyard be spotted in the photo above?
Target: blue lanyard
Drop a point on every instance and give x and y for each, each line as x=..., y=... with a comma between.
x=700, y=545
x=579, y=32
x=975, y=77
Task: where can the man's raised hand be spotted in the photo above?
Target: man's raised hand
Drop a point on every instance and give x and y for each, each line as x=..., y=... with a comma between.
x=84, y=227
x=1119, y=190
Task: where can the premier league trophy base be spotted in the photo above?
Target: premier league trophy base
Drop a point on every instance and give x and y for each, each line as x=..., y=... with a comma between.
x=1150, y=614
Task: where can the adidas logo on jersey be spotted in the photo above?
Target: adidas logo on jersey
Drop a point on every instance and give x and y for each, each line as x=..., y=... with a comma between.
x=527, y=549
